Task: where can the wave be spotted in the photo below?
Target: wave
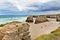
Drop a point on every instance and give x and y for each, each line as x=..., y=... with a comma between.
x=6, y=20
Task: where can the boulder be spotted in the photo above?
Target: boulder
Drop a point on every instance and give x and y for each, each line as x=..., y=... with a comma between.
x=58, y=18
x=26, y=37
x=29, y=19
x=34, y=16
x=40, y=19
x=13, y=31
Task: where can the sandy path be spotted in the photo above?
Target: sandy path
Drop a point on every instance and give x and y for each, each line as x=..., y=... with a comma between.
x=43, y=28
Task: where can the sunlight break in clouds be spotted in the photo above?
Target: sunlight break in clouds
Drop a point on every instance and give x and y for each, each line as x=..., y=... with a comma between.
x=23, y=4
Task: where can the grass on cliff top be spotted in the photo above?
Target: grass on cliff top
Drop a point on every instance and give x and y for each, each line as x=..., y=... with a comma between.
x=45, y=37
x=56, y=32
x=1, y=25
x=50, y=36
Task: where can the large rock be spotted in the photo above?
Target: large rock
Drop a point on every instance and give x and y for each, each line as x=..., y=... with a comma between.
x=40, y=19
x=13, y=31
x=58, y=18
x=35, y=16
x=29, y=19
x=11, y=35
x=51, y=16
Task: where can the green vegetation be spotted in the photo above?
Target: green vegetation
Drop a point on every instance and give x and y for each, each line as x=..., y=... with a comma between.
x=1, y=25
x=45, y=37
x=54, y=35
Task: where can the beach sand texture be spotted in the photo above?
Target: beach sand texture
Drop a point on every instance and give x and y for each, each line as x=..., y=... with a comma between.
x=43, y=28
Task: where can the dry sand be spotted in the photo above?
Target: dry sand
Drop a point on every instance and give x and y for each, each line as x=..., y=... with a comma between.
x=43, y=28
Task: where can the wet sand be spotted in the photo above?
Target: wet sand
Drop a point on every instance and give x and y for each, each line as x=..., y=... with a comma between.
x=43, y=28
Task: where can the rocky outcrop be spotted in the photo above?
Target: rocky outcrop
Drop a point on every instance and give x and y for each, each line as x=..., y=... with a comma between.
x=37, y=19
x=35, y=16
x=29, y=19
x=58, y=18
x=40, y=19
x=51, y=16
x=15, y=31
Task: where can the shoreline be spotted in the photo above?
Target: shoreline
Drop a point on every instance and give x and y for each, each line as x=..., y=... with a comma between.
x=42, y=28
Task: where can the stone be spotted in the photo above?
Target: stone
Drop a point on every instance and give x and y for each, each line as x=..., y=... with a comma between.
x=40, y=19
x=14, y=31
x=26, y=33
x=26, y=37
x=29, y=19
x=58, y=18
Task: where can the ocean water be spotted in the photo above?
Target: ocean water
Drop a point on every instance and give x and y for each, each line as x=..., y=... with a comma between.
x=9, y=18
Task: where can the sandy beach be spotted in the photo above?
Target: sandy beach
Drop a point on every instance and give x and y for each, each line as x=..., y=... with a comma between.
x=43, y=28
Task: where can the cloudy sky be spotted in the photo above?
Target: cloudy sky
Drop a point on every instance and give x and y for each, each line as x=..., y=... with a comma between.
x=17, y=7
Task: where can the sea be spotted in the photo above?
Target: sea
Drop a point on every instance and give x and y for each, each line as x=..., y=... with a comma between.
x=9, y=18
x=21, y=18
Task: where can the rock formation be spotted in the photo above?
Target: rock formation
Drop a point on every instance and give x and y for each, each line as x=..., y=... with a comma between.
x=58, y=18
x=37, y=19
x=29, y=19
x=15, y=31
x=40, y=19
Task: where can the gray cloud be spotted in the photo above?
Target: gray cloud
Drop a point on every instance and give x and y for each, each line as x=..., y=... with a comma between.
x=7, y=5
x=48, y=6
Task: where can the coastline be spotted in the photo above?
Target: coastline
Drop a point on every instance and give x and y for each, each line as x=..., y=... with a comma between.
x=7, y=19
x=42, y=28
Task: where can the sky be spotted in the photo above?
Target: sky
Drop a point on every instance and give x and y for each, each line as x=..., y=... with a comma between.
x=20, y=7
x=23, y=4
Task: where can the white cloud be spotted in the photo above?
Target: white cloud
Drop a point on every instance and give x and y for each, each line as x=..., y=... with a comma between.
x=22, y=4
x=19, y=4
x=4, y=4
